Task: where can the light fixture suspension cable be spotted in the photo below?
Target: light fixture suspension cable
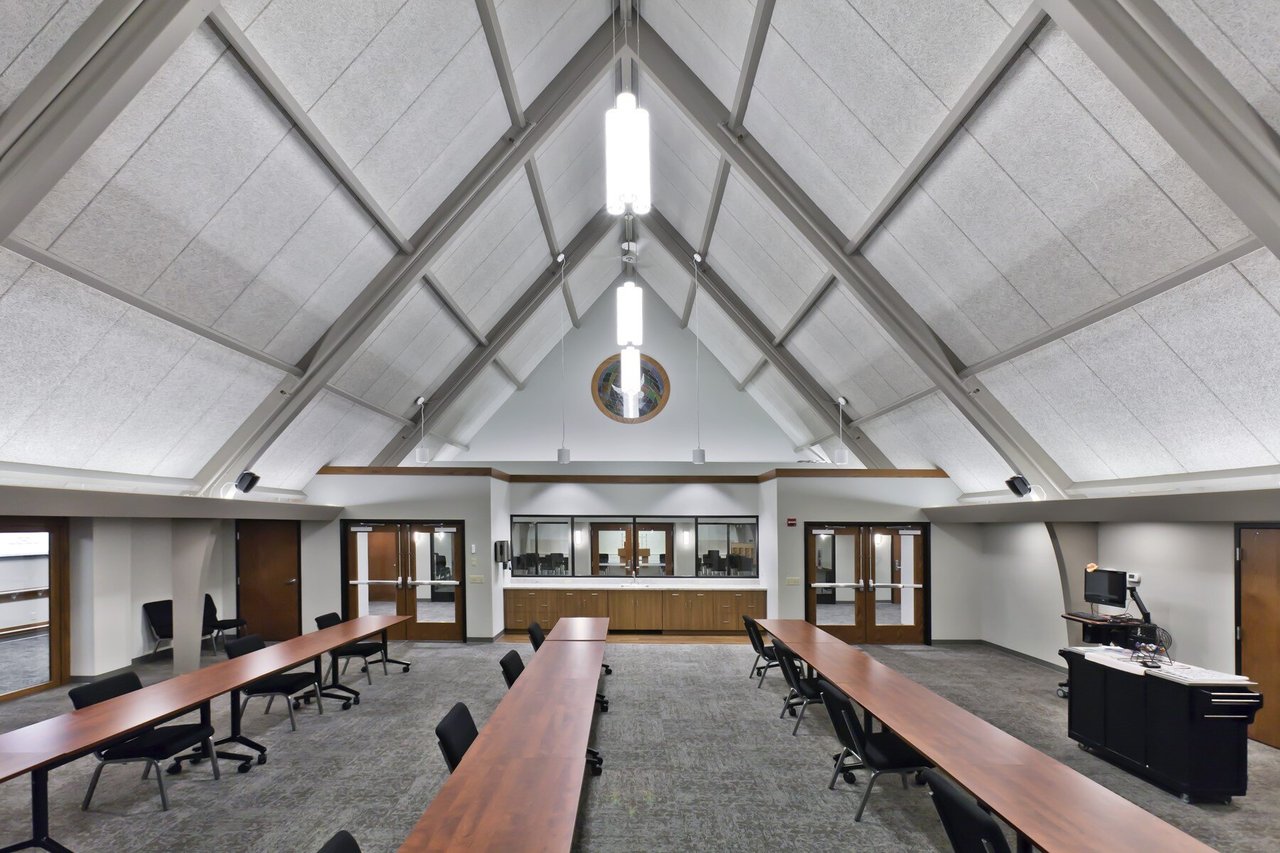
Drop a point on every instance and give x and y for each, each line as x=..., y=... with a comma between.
x=563, y=391
x=697, y=353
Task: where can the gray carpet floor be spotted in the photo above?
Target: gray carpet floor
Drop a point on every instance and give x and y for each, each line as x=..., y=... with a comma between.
x=24, y=662
x=696, y=759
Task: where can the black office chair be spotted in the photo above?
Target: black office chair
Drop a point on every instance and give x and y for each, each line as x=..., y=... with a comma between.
x=969, y=828
x=512, y=666
x=341, y=842
x=218, y=628
x=364, y=650
x=881, y=752
x=763, y=652
x=160, y=620
x=804, y=690
x=536, y=635
x=848, y=758
x=284, y=684
x=151, y=745
x=456, y=732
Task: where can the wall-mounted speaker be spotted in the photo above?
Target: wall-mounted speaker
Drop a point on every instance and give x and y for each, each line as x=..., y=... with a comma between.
x=1018, y=485
x=246, y=481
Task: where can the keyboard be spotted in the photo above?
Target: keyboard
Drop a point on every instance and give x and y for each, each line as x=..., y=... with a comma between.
x=1098, y=617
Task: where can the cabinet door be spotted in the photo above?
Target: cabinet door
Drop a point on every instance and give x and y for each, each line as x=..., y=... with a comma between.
x=622, y=611
x=675, y=611
x=648, y=609
x=545, y=608
x=755, y=605
x=702, y=611
x=593, y=602
x=729, y=607
x=510, y=600
x=569, y=601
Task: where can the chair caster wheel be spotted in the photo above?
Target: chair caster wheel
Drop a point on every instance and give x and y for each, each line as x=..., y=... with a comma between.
x=346, y=706
x=364, y=669
x=791, y=711
x=296, y=705
x=406, y=668
x=356, y=700
x=1062, y=694
x=919, y=777
x=173, y=769
x=851, y=778
x=608, y=670
x=604, y=707
x=245, y=767
x=195, y=760
x=596, y=770
x=262, y=758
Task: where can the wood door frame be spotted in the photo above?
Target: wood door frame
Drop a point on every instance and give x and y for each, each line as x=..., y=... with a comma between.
x=627, y=527
x=894, y=634
x=59, y=530
x=410, y=595
x=669, y=529
x=297, y=586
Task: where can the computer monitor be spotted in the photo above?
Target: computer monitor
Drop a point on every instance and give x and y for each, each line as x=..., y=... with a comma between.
x=1104, y=586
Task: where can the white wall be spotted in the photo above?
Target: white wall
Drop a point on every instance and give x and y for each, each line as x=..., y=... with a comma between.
x=1021, y=591
x=957, y=575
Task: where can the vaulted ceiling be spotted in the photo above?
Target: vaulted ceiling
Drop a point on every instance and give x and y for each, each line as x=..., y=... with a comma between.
x=1032, y=237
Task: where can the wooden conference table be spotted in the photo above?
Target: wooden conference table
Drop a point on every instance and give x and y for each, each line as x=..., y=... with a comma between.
x=38, y=748
x=1050, y=805
x=518, y=786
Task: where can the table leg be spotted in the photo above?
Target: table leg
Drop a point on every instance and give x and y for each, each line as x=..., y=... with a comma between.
x=237, y=737
x=352, y=695
x=40, y=839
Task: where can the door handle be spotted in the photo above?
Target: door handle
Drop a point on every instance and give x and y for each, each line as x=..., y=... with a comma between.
x=291, y=582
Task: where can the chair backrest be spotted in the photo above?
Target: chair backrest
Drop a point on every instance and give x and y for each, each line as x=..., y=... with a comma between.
x=104, y=689
x=840, y=709
x=328, y=620
x=160, y=617
x=753, y=634
x=456, y=732
x=512, y=666
x=244, y=645
x=341, y=842
x=789, y=664
x=970, y=829
x=536, y=635
x=210, y=611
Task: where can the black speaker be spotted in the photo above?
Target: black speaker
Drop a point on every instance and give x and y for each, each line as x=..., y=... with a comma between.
x=1018, y=485
x=246, y=481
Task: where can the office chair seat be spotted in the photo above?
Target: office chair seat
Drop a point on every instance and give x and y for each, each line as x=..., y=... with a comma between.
x=284, y=682
x=359, y=650
x=158, y=743
x=969, y=828
x=281, y=684
x=885, y=749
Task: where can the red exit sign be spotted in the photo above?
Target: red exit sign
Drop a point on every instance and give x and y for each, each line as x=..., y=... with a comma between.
x=791, y=522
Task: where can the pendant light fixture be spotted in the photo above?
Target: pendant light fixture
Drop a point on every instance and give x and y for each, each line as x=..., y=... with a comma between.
x=841, y=456
x=630, y=315
x=699, y=454
x=626, y=139
x=562, y=455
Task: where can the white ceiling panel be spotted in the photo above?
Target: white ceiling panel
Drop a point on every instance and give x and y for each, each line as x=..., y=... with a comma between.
x=1242, y=38
x=669, y=278
x=931, y=433
x=683, y=164
x=722, y=338
x=761, y=256
x=710, y=36
x=590, y=275
x=538, y=336
x=849, y=352
x=571, y=165
x=31, y=32
x=412, y=351
x=543, y=35
x=329, y=431
x=475, y=406
x=110, y=387
x=790, y=412
x=496, y=255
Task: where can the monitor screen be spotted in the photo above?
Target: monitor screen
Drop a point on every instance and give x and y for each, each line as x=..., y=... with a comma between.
x=1105, y=587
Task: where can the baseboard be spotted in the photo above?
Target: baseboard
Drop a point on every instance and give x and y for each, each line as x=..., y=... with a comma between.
x=1059, y=668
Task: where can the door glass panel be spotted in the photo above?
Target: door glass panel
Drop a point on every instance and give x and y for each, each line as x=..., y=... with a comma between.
x=436, y=591
x=656, y=551
x=894, y=555
x=836, y=553
x=24, y=610
x=613, y=549
x=381, y=563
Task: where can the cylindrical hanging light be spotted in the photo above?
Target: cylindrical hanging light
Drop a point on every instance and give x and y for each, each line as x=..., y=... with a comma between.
x=626, y=132
x=629, y=380
x=630, y=315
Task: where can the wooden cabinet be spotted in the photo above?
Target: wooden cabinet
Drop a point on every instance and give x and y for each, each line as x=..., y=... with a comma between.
x=635, y=610
x=681, y=610
x=675, y=611
x=688, y=610
x=731, y=605
x=519, y=607
x=582, y=602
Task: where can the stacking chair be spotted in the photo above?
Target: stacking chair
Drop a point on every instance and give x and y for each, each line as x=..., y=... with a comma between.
x=848, y=758
x=281, y=684
x=969, y=828
x=881, y=752
x=804, y=691
x=536, y=635
x=151, y=745
x=512, y=666
x=364, y=650
x=763, y=652
x=456, y=732
x=218, y=628
x=160, y=620
x=341, y=842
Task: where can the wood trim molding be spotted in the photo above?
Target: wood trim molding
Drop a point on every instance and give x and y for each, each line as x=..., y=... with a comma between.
x=856, y=473
x=638, y=479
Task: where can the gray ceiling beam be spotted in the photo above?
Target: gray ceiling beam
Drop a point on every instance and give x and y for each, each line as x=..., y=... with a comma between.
x=96, y=93
x=452, y=309
x=758, y=333
x=1186, y=99
x=379, y=298
x=79, y=274
x=502, y=332
x=505, y=371
x=365, y=404
x=811, y=301
x=256, y=64
x=574, y=319
x=501, y=62
x=753, y=373
x=1191, y=271
x=893, y=407
x=899, y=320
x=541, y=206
x=1023, y=30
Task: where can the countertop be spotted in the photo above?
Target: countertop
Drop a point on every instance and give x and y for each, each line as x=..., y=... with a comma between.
x=674, y=585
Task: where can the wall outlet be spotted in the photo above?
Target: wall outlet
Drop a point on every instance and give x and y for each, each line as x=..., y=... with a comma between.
x=793, y=581
x=476, y=578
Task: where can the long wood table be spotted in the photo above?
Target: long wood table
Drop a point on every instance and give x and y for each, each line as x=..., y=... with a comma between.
x=518, y=786
x=590, y=628
x=1047, y=803
x=38, y=748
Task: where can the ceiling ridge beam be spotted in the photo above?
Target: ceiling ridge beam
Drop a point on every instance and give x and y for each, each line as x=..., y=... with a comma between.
x=94, y=95
x=898, y=319
x=811, y=302
x=360, y=319
x=752, y=373
x=452, y=309
x=1189, y=102
x=474, y=364
x=991, y=73
x=256, y=64
x=82, y=276
x=365, y=404
x=1190, y=272
x=758, y=333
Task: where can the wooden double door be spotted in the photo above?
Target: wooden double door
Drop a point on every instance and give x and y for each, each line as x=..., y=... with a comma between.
x=409, y=568
x=866, y=583
x=1258, y=621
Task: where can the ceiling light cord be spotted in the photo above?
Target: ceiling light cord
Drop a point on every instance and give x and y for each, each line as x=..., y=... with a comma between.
x=697, y=355
x=563, y=391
